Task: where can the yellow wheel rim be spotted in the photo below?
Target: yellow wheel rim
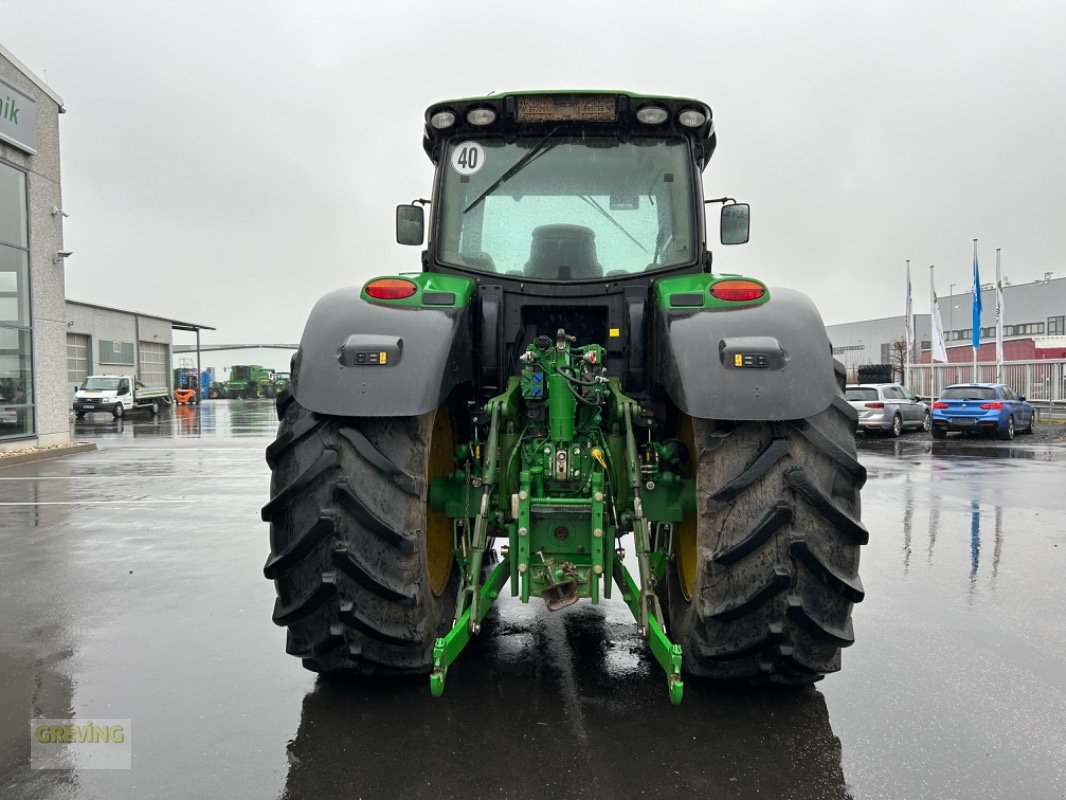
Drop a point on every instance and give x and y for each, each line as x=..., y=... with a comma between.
x=685, y=535
x=440, y=553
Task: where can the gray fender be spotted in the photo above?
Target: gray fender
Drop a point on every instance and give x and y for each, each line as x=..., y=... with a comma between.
x=338, y=369
x=786, y=361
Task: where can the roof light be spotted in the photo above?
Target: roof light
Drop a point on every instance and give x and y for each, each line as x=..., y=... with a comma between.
x=442, y=119
x=481, y=116
x=390, y=289
x=738, y=291
x=691, y=118
x=652, y=115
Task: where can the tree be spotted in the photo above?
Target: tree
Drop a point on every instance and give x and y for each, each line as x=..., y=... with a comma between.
x=899, y=359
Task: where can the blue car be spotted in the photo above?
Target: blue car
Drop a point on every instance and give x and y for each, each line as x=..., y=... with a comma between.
x=991, y=408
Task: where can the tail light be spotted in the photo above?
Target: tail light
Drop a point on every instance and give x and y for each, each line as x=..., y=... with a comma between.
x=738, y=291
x=390, y=289
x=994, y=406
x=938, y=404
x=875, y=405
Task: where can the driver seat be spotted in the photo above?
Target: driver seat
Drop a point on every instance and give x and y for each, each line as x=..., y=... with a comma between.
x=563, y=252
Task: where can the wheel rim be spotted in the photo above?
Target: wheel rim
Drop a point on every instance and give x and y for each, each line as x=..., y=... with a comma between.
x=440, y=553
x=926, y=424
x=686, y=533
x=1010, y=428
x=897, y=427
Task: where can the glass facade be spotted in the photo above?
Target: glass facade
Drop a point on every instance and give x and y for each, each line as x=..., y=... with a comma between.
x=16, y=338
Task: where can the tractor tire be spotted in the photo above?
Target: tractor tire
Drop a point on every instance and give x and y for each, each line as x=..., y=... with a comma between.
x=364, y=570
x=213, y=394
x=764, y=575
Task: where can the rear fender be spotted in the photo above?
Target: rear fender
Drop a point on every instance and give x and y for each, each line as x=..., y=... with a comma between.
x=364, y=359
x=762, y=362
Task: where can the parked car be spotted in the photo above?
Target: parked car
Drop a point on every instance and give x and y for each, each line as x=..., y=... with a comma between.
x=887, y=407
x=992, y=408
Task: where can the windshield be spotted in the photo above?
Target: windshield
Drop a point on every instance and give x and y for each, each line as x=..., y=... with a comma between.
x=566, y=208
x=97, y=383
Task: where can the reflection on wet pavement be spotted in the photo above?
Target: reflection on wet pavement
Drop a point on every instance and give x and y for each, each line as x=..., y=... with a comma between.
x=131, y=587
x=960, y=645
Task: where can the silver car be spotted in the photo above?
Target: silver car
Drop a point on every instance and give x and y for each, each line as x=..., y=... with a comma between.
x=887, y=407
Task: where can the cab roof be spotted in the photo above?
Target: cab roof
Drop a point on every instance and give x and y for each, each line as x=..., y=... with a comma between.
x=568, y=111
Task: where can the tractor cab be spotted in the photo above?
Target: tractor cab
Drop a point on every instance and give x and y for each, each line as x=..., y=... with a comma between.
x=565, y=209
x=574, y=187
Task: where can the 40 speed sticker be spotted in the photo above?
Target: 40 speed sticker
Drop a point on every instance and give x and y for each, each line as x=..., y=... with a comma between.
x=468, y=158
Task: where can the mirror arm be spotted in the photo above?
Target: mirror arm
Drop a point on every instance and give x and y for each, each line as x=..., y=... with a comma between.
x=722, y=200
x=420, y=201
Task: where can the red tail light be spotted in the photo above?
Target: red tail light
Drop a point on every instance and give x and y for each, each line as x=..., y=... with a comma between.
x=738, y=291
x=390, y=289
x=875, y=405
x=994, y=406
x=938, y=404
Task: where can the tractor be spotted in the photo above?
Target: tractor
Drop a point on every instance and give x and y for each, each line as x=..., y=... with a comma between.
x=246, y=381
x=566, y=399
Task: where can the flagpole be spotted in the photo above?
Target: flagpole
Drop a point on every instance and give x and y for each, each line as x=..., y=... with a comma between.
x=999, y=322
x=975, y=338
x=932, y=339
x=907, y=322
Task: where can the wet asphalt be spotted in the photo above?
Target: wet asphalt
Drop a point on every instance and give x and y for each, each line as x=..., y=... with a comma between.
x=131, y=587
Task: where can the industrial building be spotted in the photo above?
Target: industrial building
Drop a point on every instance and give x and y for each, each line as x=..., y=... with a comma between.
x=101, y=339
x=1034, y=327
x=40, y=331
x=33, y=405
x=219, y=358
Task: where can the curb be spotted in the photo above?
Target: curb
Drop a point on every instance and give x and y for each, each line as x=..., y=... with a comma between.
x=44, y=455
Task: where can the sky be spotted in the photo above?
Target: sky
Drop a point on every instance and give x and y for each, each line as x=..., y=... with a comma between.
x=228, y=163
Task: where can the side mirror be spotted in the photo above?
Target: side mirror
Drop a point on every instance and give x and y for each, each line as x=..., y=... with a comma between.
x=410, y=225
x=735, y=223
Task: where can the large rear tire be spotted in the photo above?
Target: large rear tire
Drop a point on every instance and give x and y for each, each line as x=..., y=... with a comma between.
x=364, y=572
x=765, y=574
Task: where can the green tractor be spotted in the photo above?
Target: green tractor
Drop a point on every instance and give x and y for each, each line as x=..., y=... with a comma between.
x=565, y=380
x=246, y=381
x=281, y=382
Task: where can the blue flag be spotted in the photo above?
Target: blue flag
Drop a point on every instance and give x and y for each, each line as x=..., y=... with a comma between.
x=976, y=301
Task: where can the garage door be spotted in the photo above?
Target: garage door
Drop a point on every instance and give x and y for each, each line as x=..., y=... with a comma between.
x=77, y=357
x=153, y=367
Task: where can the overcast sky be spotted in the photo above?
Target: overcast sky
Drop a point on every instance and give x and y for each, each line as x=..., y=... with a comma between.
x=228, y=163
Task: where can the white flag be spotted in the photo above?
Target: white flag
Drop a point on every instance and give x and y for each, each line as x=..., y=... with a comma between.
x=910, y=316
x=940, y=352
x=999, y=312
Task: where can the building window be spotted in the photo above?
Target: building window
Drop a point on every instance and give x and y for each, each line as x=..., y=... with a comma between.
x=115, y=353
x=16, y=330
x=1056, y=326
